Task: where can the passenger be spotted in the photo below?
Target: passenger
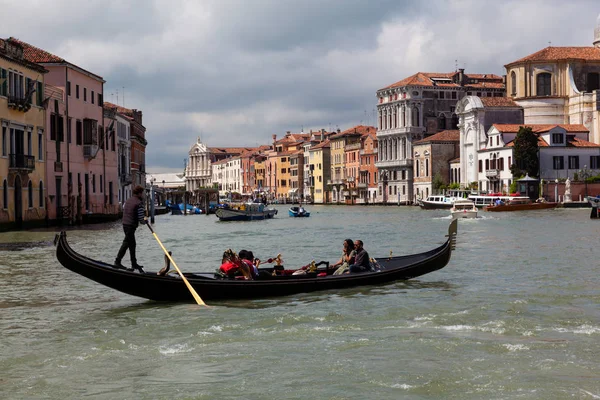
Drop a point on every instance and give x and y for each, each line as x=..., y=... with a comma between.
x=247, y=257
x=348, y=256
x=232, y=266
x=361, y=262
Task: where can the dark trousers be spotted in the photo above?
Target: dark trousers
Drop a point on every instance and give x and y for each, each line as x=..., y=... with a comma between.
x=128, y=243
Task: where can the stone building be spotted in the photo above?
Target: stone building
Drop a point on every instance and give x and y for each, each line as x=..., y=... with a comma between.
x=413, y=108
x=432, y=157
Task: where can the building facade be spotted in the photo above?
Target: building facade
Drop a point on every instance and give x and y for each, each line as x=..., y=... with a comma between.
x=432, y=157
x=409, y=110
x=320, y=159
x=23, y=121
x=198, y=171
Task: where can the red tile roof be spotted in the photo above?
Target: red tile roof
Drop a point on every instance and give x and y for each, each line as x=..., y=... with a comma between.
x=571, y=142
x=229, y=150
x=324, y=144
x=540, y=128
x=356, y=130
x=562, y=53
x=119, y=109
x=443, y=136
x=428, y=79
x=498, y=102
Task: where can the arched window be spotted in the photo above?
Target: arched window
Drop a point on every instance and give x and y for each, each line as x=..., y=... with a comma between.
x=544, y=84
x=427, y=167
x=5, y=193
x=41, y=194
x=442, y=122
x=417, y=164
x=513, y=83
x=30, y=194
x=415, y=116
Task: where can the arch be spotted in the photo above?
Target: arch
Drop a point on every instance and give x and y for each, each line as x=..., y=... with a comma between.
x=543, y=84
x=442, y=122
x=513, y=83
x=5, y=194
x=18, y=199
x=41, y=194
x=415, y=116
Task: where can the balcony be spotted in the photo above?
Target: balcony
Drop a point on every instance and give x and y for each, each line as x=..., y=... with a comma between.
x=19, y=103
x=361, y=185
x=21, y=162
x=90, y=151
x=492, y=173
x=394, y=163
x=58, y=166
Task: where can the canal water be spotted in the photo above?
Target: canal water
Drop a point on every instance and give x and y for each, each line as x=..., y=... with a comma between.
x=514, y=315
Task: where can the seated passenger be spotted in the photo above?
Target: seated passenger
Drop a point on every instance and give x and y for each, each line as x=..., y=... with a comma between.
x=232, y=266
x=361, y=262
x=348, y=256
x=247, y=258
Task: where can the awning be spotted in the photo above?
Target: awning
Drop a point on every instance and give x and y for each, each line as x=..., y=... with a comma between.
x=292, y=191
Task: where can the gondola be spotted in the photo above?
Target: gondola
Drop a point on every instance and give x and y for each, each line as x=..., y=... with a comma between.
x=211, y=287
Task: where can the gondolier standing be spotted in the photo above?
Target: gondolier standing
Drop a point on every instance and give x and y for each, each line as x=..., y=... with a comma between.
x=133, y=215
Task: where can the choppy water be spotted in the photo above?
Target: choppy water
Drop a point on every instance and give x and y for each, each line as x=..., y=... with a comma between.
x=515, y=314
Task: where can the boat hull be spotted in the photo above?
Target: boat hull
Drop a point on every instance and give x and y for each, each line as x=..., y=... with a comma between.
x=294, y=212
x=430, y=205
x=520, y=207
x=172, y=288
x=464, y=214
x=244, y=215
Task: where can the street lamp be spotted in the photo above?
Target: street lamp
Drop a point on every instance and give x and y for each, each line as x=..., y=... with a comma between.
x=585, y=173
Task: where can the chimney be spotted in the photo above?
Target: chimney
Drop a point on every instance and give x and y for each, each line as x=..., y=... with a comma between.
x=461, y=76
x=288, y=132
x=274, y=140
x=322, y=134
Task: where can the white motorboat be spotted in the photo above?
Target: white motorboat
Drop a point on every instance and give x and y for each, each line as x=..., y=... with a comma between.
x=463, y=208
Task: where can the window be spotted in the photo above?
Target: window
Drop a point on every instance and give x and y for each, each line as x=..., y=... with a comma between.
x=78, y=133
x=543, y=84
x=453, y=95
x=426, y=167
x=101, y=185
x=558, y=138
x=480, y=165
x=94, y=183
x=573, y=162
x=593, y=81
x=513, y=83
x=84, y=94
x=40, y=145
x=5, y=194
x=4, y=85
x=595, y=162
x=68, y=88
x=558, y=162
x=39, y=93
x=478, y=94
x=76, y=91
x=509, y=162
x=4, y=141
x=30, y=194
x=487, y=164
x=441, y=95
x=41, y=194
x=92, y=96
x=69, y=123
x=100, y=99
x=29, y=144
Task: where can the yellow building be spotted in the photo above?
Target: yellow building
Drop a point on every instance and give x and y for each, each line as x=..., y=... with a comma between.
x=22, y=116
x=320, y=161
x=338, y=184
x=559, y=85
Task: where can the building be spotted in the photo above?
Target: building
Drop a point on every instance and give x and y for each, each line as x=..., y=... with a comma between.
x=198, y=170
x=476, y=116
x=314, y=138
x=296, y=189
x=413, y=108
x=227, y=175
x=83, y=173
x=23, y=119
x=367, y=183
x=432, y=157
x=320, y=159
x=559, y=85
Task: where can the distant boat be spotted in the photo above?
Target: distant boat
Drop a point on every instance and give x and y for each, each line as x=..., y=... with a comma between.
x=521, y=204
x=245, y=212
x=463, y=209
x=298, y=212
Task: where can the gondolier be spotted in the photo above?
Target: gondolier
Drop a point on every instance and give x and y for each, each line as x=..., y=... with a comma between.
x=133, y=215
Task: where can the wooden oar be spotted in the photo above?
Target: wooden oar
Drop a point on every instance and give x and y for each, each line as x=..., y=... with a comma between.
x=192, y=291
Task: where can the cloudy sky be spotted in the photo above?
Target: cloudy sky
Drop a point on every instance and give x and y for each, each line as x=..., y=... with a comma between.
x=237, y=72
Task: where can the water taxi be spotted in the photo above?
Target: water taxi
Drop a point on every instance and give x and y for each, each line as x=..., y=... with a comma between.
x=463, y=208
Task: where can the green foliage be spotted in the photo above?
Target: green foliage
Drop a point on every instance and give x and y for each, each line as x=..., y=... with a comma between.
x=513, y=185
x=575, y=177
x=437, y=182
x=454, y=185
x=525, y=153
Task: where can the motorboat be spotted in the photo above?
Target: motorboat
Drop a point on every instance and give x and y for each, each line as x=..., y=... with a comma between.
x=521, y=204
x=245, y=212
x=298, y=212
x=463, y=208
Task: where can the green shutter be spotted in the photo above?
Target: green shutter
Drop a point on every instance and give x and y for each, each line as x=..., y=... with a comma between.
x=40, y=93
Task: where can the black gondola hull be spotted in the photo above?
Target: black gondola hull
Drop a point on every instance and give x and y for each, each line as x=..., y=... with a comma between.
x=172, y=288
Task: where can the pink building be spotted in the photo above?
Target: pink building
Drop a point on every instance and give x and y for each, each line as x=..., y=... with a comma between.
x=82, y=169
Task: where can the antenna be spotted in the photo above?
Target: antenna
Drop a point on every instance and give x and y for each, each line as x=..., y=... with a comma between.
x=549, y=43
x=117, y=96
x=456, y=65
x=123, y=96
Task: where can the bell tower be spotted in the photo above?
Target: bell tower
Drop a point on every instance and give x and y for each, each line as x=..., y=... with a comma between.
x=597, y=33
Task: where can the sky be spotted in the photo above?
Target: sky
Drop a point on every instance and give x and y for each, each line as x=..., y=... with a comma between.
x=234, y=73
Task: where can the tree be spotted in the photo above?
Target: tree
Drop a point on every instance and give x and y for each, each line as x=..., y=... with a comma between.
x=525, y=153
x=438, y=182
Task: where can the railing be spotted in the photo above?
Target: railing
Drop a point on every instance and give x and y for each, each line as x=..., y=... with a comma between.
x=19, y=103
x=21, y=161
x=361, y=185
x=362, y=152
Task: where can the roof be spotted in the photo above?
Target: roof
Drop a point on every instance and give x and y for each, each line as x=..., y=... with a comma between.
x=22, y=61
x=498, y=102
x=430, y=79
x=571, y=142
x=443, y=136
x=294, y=138
x=324, y=144
x=230, y=150
x=357, y=130
x=37, y=55
x=540, y=128
x=587, y=53
x=455, y=160
x=121, y=110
